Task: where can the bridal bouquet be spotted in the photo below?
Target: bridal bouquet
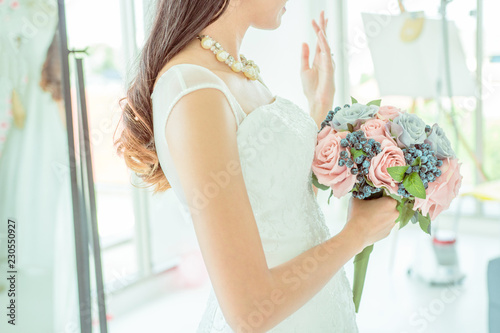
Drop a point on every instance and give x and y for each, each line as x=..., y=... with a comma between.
x=373, y=151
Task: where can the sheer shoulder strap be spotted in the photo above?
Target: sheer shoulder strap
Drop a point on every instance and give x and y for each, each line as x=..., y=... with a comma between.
x=181, y=79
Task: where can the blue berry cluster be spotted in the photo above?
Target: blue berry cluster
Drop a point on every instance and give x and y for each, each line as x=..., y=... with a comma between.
x=428, y=170
x=360, y=164
x=365, y=190
x=330, y=116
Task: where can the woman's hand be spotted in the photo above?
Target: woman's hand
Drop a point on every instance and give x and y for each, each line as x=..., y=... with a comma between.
x=318, y=81
x=371, y=220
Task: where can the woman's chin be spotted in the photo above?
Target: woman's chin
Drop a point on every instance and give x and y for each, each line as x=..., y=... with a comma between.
x=269, y=26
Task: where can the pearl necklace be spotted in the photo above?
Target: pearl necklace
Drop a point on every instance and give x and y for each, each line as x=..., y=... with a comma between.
x=248, y=67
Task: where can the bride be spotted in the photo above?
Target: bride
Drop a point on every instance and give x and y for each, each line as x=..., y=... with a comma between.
x=239, y=159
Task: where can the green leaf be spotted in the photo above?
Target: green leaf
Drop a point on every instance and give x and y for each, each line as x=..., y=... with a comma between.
x=318, y=184
x=414, y=218
x=353, y=100
x=350, y=127
x=355, y=153
x=396, y=197
x=425, y=223
x=416, y=162
x=398, y=172
x=405, y=209
x=331, y=193
x=414, y=185
x=369, y=182
x=375, y=102
x=400, y=208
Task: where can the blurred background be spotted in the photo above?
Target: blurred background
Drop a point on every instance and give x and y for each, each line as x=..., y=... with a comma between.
x=133, y=263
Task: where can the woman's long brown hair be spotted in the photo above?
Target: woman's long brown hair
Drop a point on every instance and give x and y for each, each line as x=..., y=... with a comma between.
x=176, y=23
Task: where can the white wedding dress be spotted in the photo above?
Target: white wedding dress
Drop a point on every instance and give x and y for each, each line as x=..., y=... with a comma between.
x=276, y=147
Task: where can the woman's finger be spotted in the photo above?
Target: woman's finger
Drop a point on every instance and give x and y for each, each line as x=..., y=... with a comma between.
x=305, y=57
x=322, y=18
x=317, y=29
x=315, y=26
x=324, y=43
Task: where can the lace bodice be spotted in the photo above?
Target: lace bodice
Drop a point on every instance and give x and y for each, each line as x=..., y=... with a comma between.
x=276, y=148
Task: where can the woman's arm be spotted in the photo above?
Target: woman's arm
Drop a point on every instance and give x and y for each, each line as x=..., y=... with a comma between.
x=201, y=135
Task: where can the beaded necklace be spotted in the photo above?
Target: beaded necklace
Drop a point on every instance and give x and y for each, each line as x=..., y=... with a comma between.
x=248, y=67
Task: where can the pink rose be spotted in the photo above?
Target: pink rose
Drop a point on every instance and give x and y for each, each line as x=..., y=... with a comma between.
x=330, y=130
x=326, y=163
x=441, y=191
x=388, y=112
x=390, y=156
x=376, y=129
x=324, y=132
